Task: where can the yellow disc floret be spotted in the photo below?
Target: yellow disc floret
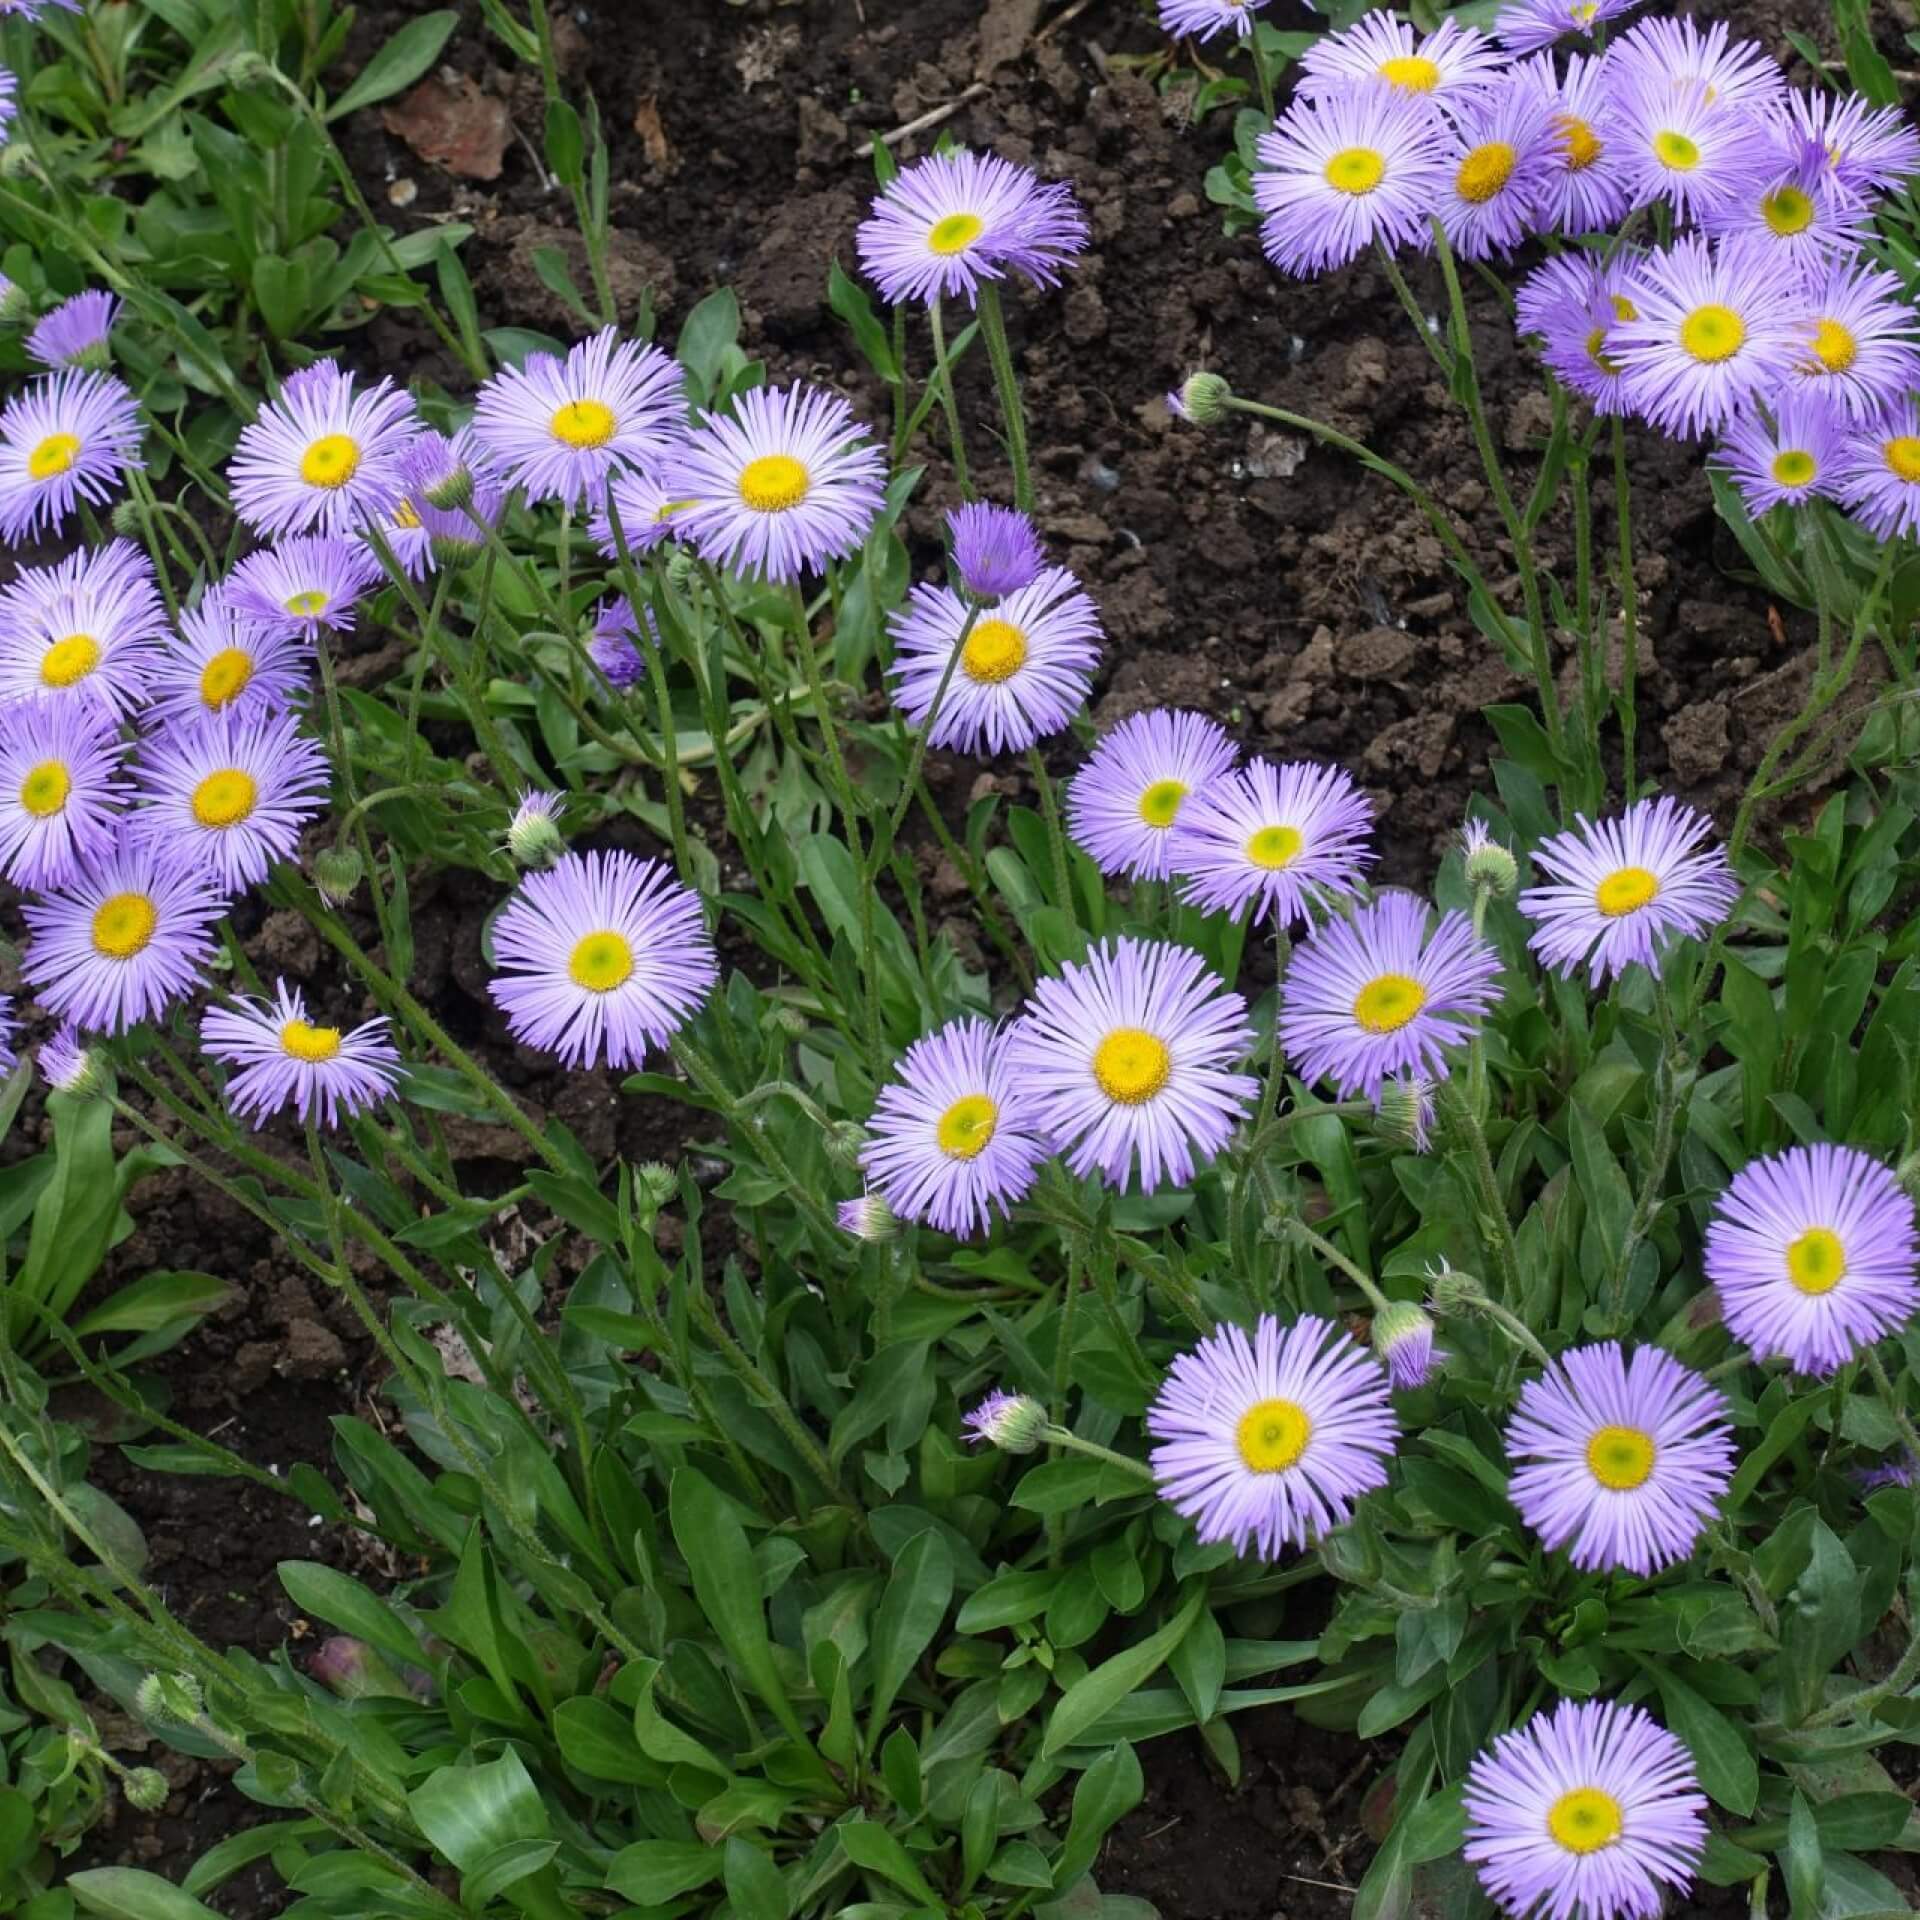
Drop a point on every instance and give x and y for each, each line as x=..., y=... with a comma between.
x=1385, y=1004
x=1272, y=1435
x=1132, y=1065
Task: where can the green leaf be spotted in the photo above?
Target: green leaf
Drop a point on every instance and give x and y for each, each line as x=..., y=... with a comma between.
x=399, y=63
x=848, y=298
x=1109, y=1790
x=1098, y=1692
x=652, y=1872
x=1819, y=1622
x=1802, y=1861
x=469, y=1813
x=908, y=1617
x=125, y=1893
x=709, y=330
x=598, y=1738
x=1723, y=1753
x=153, y=1301
x=343, y=1602
x=756, y=1888
x=566, y=143
x=868, y=1844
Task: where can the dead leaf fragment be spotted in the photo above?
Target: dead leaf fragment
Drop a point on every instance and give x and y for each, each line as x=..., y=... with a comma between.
x=449, y=120
x=653, y=134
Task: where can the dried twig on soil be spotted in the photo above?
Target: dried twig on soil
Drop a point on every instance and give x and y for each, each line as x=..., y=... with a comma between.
x=931, y=118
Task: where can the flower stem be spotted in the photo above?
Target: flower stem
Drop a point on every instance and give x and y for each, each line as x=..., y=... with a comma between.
x=1059, y=1436
x=1496, y=1230
x=943, y=378
x=994, y=327
x=1629, y=611
x=1056, y=837
x=1646, y=1209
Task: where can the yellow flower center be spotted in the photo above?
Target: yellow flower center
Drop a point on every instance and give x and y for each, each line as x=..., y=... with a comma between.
x=1794, y=467
x=1675, y=151
x=123, y=924
x=601, y=961
x=1817, y=1261
x=1581, y=145
x=1620, y=1457
x=1131, y=1065
x=1161, y=802
x=53, y=456
x=1624, y=309
x=1713, y=334
x=967, y=1126
x=774, y=482
x=224, y=678
x=44, y=791
x=1485, y=172
x=69, y=660
x=1272, y=1435
x=583, y=423
x=956, y=233
x=312, y=1044
x=1787, y=211
x=1582, y=12
x=331, y=461
x=1386, y=1004
x=1834, y=346
x=309, y=604
x=995, y=651
x=1586, y=1820
x=1902, y=456
x=1596, y=341
x=1356, y=170
x=1625, y=890
x=1275, y=847
x=225, y=798
x=407, y=515
x=667, y=509
x=1413, y=72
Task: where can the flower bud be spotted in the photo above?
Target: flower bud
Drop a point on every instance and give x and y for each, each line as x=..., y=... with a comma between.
x=1202, y=399
x=1010, y=1421
x=146, y=1788
x=451, y=490
x=1908, y=1174
x=846, y=1142
x=129, y=518
x=14, y=301
x=995, y=550
x=1404, y=1110
x=453, y=553
x=534, y=837
x=1403, y=1340
x=336, y=874
x=1490, y=867
x=355, y=1671
x=867, y=1217
x=1454, y=1292
x=69, y=1065
x=681, y=570
x=786, y=1020
x=169, y=1696
x=658, y=1183
x=249, y=69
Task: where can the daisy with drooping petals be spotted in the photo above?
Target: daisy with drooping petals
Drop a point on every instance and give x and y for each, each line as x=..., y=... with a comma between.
x=86, y=630
x=995, y=550
x=1280, y=842
x=615, y=646
x=75, y=333
x=1387, y=55
x=1203, y=19
x=954, y=1132
x=223, y=662
x=324, y=457
x=1858, y=148
x=232, y=793
x=303, y=586
x=1626, y=1460
x=1679, y=146
x=1814, y=1254
x=1023, y=670
x=646, y=509
x=66, y=438
x=949, y=222
x=61, y=791
x=1268, y=1443
x=1130, y=1056
x=1582, y=188
x=1525, y=26
x=1619, y=889
x=786, y=482
x=124, y=940
x=562, y=428
x=1338, y=173
x=1712, y=332
x=1676, y=52
x=1785, y=461
x=1124, y=804
x=1377, y=995
x=1573, y=303
x=1860, y=339
x=1880, y=472
x=1500, y=151
x=283, y=1060
x=1590, y=1812
x=601, y=957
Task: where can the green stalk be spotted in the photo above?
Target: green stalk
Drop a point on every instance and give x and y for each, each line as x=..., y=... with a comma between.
x=1056, y=836
x=994, y=327
x=1646, y=1208
x=1496, y=1230
x=943, y=379
x=1629, y=612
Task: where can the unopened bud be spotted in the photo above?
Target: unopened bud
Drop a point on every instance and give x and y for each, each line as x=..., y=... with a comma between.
x=1403, y=1339
x=249, y=69
x=787, y=1020
x=534, y=837
x=846, y=1142
x=1202, y=399
x=146, y=1789
x=336, y=874
x=657, y=1182
x=169, y=1696
x=867, y=1218
x=1404, y=1110
x=1908, y=1174
x=129, y=518
x=1453, y=1292
x=1013, y=1422
x=355, y=1671
x=14, y=301
x=453, y=553
x=680, y=569
x=69, y=1065
x=1490, y=867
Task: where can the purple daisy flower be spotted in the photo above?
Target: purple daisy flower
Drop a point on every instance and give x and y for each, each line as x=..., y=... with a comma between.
x=1790, y=212
x=281, y=1059
x=303, y=585
x=1813, y=1252
x=75, y=333
x=1880, y=473
x=615, y=646
x=68, y=1065
x=954, y=1132
x=224, y=663
x=1022, y=674
x=646, y=508
x=562, y=428
x=324, y=457
x=61, y=791
x=1340, y=172
x=1590, y=1812
x=1573, y=303
x=1682, y=146
x=994, y=550
x=1122, y=805
x=1712, y=333
x=1369, y=998
x=1203, y=19
x=1786, y=460
x=947, y=223
x=1676, y=52
x=1628, y=1460
x=1619, y=889
x=1525, y=26
x=231, y=793
x=1269, y=1442
x=1278, y=842
x=1897, y=1472
x=1862, y=332
x=1502, y=152
x=66, y=438
x=786, y=482
x=1858, y=148
x=124, y=940
x=1010, y=1421
x=87, y=630
x=33, y=9
x=1384, y=54
x=1130, y=1054
x=601, y=957
x=1582, y=189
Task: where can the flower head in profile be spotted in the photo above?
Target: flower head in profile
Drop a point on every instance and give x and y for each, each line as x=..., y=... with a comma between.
x=561, y=429
x=616, y=647
x=1130, y=1056
x=1814, y=1254
x=304, y=586
x=867, y=1217
x=224, y=663
x=1503, y=151
x=1880, y=472
x=1590, y=1812
x=600, y=957
x=1787, y=460
x=1203, y=19
x=1900, y=1471
x=1403, y=1110
x=86, y=631
x=1023, y=670
x=1574, y=304
x=1013, y=1422
x=647, y=508
x=995, y=550
x=75, y=333
x=1384, y=54
x=1619, y=889
x=1125, y=805
x=123, y=940
x=327, y=456
x=1581, y=188
x=281, y=1059
x=954, y=1135
x=1403, y=1343
x=1487, y=864
x=452, y=495
x=778, y=487
x=65, y=438
x=534, y=835
x=1525, y=26
x=61, y=791
x=68, y=1065
x=1860, y=340
x=951, y=222
x=1277, y=842
x=1267, y=1443
x=1379, y=994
